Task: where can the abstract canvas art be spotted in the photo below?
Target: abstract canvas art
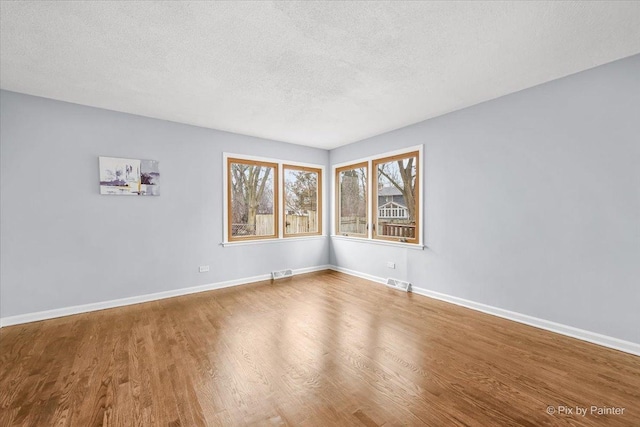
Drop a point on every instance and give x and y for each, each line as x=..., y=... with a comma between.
x=129, y=177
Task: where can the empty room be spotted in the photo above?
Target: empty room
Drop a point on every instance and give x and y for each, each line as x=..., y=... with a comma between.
x=319, y=213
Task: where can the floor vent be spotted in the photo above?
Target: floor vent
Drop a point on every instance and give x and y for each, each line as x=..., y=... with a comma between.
x=399, y=284
x=281, y=273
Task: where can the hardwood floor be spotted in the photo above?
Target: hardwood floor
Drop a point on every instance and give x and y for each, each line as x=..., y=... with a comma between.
x=318, y=349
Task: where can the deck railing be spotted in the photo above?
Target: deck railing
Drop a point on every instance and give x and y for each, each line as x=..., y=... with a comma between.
x=398, y=230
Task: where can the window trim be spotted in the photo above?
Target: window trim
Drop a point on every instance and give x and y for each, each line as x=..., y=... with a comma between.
x=318, y=170
x=374, y=197
x=279, y=237
x=336, y=175
x=276, y=187
x=368, y=238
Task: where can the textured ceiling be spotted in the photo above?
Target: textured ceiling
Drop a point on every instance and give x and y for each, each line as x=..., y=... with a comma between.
x=315, y=73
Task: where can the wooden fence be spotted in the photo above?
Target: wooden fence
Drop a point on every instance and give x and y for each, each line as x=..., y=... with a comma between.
x=295, y=224
x=264, y=225
x=300, y=224
x=353, y=225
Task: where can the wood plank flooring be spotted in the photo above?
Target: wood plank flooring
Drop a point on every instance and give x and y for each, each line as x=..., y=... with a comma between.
x=319, y=349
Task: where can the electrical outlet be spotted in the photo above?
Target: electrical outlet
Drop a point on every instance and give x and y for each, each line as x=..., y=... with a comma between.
x=204, y=268
x=391, y=264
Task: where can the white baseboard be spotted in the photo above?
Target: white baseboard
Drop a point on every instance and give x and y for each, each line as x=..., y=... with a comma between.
x=581, y=334
x=357, y=274
x=311, y=269
x=85, y=308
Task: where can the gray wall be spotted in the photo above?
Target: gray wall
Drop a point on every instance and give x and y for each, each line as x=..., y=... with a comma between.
x=532, y=202
x=63, y=244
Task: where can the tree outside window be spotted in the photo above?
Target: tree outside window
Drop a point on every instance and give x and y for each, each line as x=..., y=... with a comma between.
x=302, y=201
x=352, y=200
x=396, y=198
x=252, y=200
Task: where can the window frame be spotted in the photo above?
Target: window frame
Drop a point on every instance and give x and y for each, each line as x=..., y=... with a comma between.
x=279, y=236
x=374, y=197
x=338, y=170
x=229, y=206
x=418, y=242
x=318, y=170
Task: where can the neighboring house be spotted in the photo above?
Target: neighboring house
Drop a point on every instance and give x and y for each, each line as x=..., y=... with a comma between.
x=390, y=194
x=391, y=204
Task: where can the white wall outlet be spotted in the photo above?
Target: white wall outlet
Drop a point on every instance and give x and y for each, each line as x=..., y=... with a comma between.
x=391, y=264
x=204, y=268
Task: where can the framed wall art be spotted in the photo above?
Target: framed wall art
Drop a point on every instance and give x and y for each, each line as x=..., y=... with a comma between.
x=129, y=177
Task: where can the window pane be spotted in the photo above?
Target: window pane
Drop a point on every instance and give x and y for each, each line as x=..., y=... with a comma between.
x=252, y=200
x=301, y=202
x=352, y=218
x=396, y=204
